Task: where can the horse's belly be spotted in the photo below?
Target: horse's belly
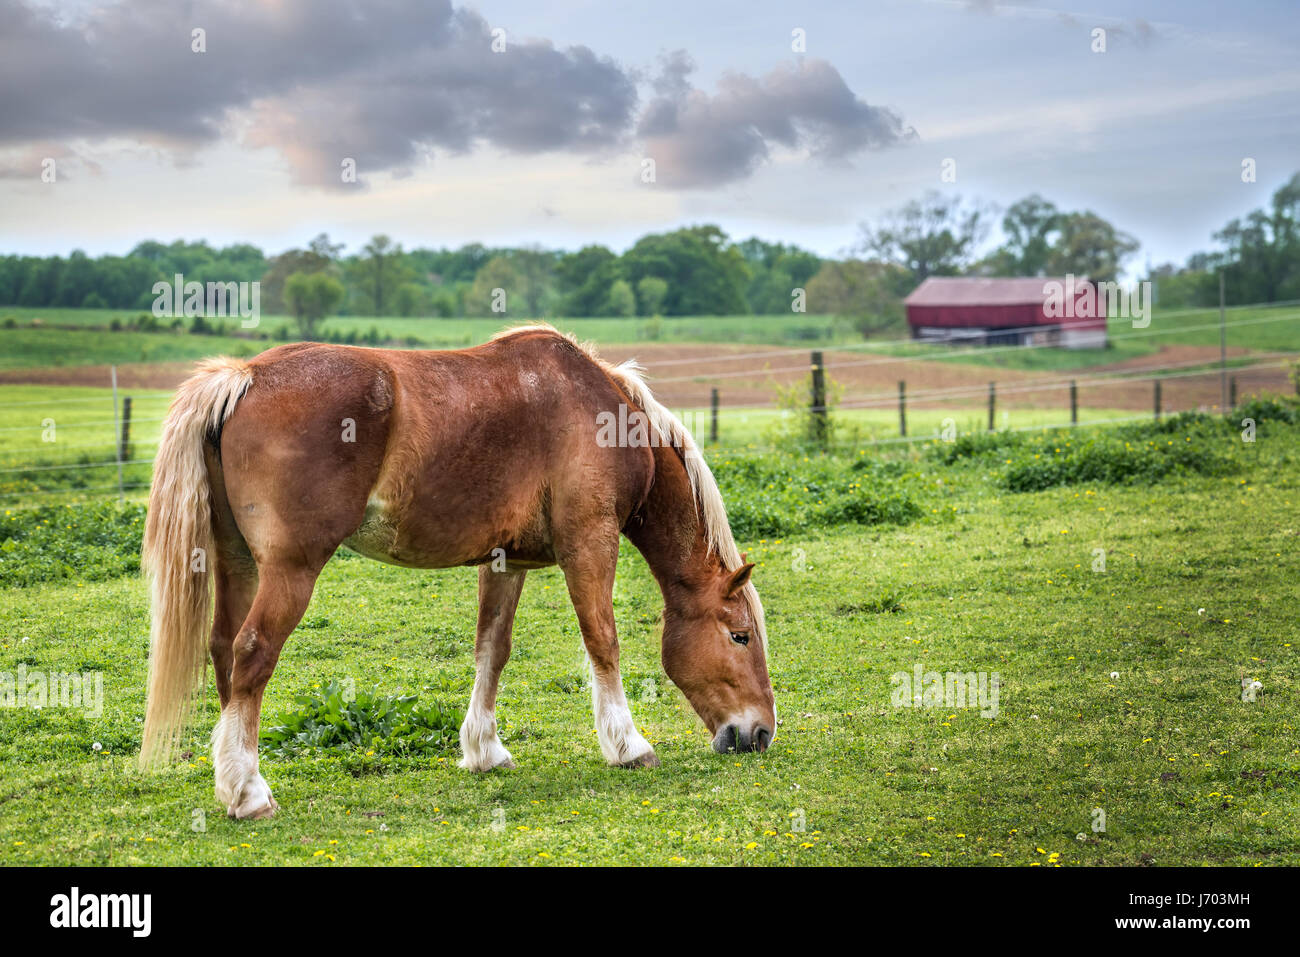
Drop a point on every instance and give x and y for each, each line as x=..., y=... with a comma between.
x=438, y=545
x=377, y=538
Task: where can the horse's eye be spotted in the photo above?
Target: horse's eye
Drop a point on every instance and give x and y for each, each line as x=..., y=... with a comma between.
x=740, y=637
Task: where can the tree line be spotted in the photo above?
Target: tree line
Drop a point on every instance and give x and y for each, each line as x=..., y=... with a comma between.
x=697, y=270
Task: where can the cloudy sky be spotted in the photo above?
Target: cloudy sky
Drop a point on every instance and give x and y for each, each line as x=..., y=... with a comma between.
x=547, y=140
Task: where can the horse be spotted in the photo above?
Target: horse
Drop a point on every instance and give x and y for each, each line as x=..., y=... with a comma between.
x=503, y=456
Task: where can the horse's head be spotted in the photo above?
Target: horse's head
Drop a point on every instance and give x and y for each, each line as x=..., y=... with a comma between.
x=715, y=650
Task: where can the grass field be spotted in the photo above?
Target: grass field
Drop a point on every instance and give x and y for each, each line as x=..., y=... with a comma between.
x=460, y=332
x=1120, y=689
x=26, y=348
x=55, y=442
x=85, y=341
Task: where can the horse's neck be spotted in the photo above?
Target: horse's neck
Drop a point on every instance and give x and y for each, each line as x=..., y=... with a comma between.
x=667, y=529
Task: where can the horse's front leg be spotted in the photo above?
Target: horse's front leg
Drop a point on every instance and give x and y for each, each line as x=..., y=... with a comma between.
x=498, y=597
x=590, y=579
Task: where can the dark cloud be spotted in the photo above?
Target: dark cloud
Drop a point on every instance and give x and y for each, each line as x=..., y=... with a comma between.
x=697, y=139
x=384, y=83
x=321, y=80
x=530, y=99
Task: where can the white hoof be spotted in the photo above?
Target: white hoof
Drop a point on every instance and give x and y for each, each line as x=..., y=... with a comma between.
x=487, y=758
x=481, y=744
x=623, y=746
x=254, y=800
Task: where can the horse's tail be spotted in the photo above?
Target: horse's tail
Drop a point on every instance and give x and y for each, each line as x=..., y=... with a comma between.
x=178, y=542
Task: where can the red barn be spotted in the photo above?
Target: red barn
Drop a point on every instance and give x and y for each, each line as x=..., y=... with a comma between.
x=1064, y=312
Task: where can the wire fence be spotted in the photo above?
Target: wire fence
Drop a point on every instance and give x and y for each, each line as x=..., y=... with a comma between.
x=47, y=469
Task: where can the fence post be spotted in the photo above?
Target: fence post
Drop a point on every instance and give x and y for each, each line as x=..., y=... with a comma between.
x=1074, y=402
x=1232, y=394
x=818, y=399
x=902, y=408
x=713, y=422
x=1157, y=400
x=992, y=403
x=117, y=448
x=1223, y=346
x=124, y=448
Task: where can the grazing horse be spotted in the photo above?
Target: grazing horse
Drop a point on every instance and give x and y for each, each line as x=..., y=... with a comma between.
x=524, y=452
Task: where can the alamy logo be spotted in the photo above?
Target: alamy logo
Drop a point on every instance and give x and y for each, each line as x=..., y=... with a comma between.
x=55, y=689
x=627, y=430
x=1069, y=300
x=217, y=300
x=75, y=909
x=953, y=689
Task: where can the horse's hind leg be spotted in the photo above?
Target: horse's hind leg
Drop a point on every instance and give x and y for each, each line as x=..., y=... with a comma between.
x=236, y=578
x=235, y=574
x=589, y=574
x=283, y=592
x=498, y=597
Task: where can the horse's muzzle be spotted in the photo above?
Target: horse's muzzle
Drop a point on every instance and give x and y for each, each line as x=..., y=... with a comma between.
x=737, y=737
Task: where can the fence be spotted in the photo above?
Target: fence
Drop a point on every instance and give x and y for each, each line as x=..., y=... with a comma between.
x=990, y=398
x=31, y=473
x=106, y=455
x=1213, y=380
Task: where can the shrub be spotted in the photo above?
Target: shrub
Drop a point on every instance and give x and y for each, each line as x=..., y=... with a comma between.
x=386, y=724
x=1268, y=408
x=1187, y=444
x=780, y=494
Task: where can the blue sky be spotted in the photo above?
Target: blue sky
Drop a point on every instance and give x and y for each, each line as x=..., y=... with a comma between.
x=1150, y=134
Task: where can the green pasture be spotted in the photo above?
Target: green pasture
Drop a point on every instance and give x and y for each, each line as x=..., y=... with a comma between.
x=1120, y=602
x=57, y=442
x=460, y=332
x=69, y=337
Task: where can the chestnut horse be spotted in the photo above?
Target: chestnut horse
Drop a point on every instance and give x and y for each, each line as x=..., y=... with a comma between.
x=501, y=456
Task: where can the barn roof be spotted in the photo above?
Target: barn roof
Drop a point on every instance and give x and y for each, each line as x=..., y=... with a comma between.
x=979, y=291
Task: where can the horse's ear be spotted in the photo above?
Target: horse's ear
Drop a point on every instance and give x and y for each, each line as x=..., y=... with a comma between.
x=738, y=578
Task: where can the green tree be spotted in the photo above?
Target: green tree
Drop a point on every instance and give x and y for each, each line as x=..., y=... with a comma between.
x=651, y=292
x=380, y=271
x=310, y=298
x=705, y=274
x=535, y=271
x=583, y=280
x=283, y=266
x=1262, y=254
x=496, y=285
x=775, y=271
x=935, y=235
x=1183, y=288
x=41, y=283
x=1030, y=226
x=1089, y=246
x=411, y=299
x=622, y=301
x=870, y=294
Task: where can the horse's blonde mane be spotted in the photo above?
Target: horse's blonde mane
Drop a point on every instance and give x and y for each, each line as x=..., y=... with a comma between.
x=713, y=511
